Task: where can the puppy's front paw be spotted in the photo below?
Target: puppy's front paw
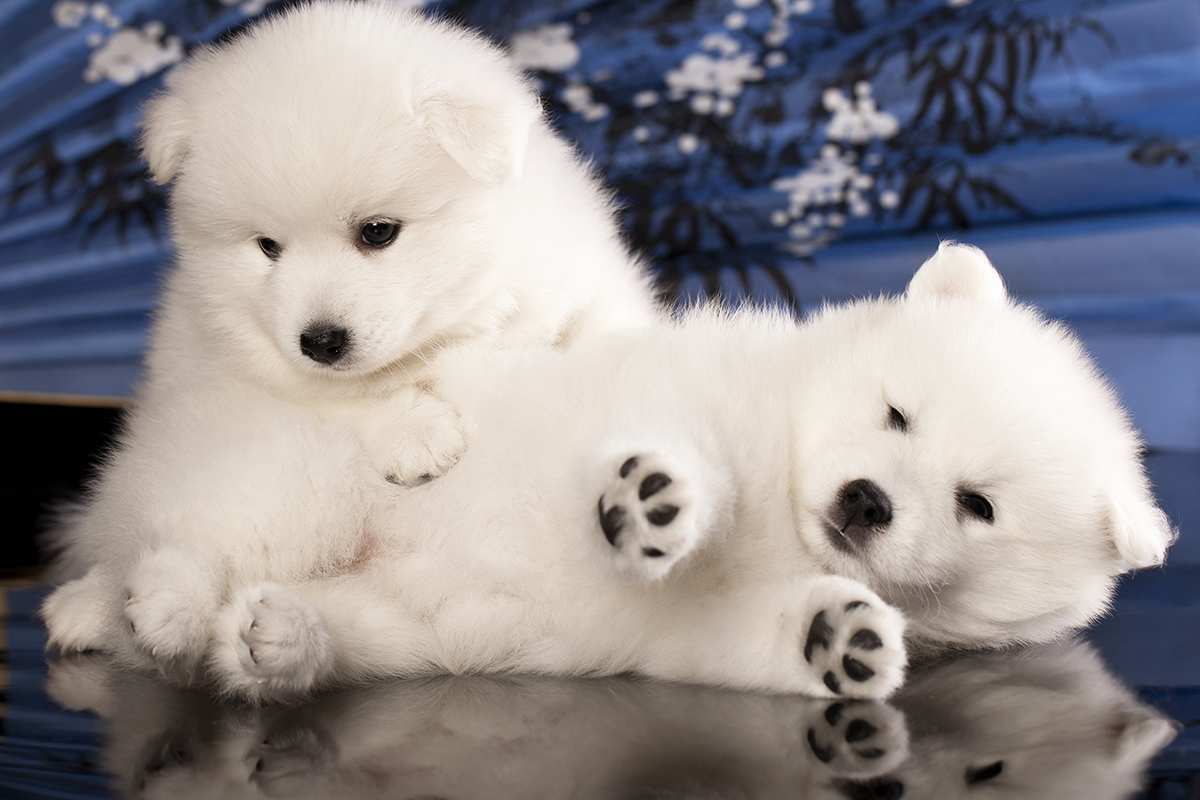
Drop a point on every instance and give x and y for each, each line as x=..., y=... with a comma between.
x=422, y=445
x=858, y=739
x=854, y=642
x=169, y=603
x=270, y=644
x=650, y=515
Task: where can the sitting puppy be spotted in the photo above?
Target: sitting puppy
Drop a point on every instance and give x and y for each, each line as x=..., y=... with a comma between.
x=355, y=189
x=735, y=500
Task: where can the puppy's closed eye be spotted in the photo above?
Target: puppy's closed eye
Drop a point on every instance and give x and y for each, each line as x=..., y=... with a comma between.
x=896, y=420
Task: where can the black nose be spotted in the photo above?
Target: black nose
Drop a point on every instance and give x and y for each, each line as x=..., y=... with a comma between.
x=864, y=505
x=324, y=343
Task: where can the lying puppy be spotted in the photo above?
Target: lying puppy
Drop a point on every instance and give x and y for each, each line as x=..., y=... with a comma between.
x=734, y=500
x=1047, y=723
x=354, y=190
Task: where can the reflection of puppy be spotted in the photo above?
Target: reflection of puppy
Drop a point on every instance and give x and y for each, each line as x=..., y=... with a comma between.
x=354, y=189
x=475, y=737
x=1048, y=723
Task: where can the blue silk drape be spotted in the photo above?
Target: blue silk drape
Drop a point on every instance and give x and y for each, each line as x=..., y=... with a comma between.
x=784, y=149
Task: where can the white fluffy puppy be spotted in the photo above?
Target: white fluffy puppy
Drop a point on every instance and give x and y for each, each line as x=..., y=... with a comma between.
x=355, y=188
x=734, y=500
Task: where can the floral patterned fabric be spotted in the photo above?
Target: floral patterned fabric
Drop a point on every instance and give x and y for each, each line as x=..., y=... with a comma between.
x=786, y=149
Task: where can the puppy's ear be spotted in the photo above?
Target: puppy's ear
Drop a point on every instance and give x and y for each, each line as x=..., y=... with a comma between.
x=166, y=129
x=958, y=270
x=487, y=138
x=1139, y=529
x=1141, y=733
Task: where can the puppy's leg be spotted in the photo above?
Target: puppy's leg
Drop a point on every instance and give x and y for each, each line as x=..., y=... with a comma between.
x=84, y=614
x=824, y=636
x=171, y=595
x=656, y=508
x=414, y=438
x=272, y=642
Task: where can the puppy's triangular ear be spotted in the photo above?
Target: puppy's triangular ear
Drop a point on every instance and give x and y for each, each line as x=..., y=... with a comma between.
x=1141, y=734
x=1139, y=530
x=958, y=270
x=487, y=138
x=166, y=131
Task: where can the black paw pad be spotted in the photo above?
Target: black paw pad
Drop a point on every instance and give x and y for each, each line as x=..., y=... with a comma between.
x=629, y=466
x=855, y=669
x=859, y=730
x=833, y=714
x=866, y=639
x=663, y=515
x=823, y=754
x=874, y=789
x=611, y=521
x=820, y=634
x=652, y=484
x=832, y=683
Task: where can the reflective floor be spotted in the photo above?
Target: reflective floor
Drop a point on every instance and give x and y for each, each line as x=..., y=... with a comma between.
x=1115, y=717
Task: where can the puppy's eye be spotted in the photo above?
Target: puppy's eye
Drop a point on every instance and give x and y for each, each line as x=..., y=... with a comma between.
x=270, y=247
x=985, y=773
x=976, y=505
x=896, y=419
x=379, y=233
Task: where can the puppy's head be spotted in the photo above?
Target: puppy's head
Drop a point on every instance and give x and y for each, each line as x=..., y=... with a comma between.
x=969, y=463
x=340, y=174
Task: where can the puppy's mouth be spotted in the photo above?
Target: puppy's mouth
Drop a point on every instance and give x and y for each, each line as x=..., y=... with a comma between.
x=839, y=537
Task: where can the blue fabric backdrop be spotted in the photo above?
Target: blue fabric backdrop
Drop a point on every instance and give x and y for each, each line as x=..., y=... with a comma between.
x=791, y=149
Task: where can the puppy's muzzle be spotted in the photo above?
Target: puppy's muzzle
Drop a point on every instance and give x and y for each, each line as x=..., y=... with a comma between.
x=324, y=342
x=861, y=511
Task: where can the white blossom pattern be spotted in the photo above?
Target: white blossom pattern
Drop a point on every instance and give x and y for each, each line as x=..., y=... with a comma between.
x=835, y=180
x=548, y=47
x=131, y=54
x=69, y=13
x=857, y=120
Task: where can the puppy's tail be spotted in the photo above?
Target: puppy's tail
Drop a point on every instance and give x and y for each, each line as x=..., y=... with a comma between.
x=62, y=542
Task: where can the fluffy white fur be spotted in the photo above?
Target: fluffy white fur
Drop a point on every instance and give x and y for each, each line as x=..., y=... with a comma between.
x=301, y=130
x=1057, y=724
x=759, y=422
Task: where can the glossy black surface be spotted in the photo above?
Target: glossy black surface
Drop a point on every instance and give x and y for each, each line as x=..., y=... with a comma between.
x=1066, y=721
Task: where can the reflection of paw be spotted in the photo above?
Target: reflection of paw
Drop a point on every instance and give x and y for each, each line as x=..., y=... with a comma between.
x=854, y=641
x=169, y=606
x=650, y=516
x=81, y=682
x=859, y=739
x=422, y=445
x=270, y=644
x=286, y=762
x=170, y=752
x=80, y=615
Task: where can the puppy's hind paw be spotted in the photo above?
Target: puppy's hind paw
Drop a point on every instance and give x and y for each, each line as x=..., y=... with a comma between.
x=650, y=516
x=270, y=645
x=854, y=642
x=82, y=615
